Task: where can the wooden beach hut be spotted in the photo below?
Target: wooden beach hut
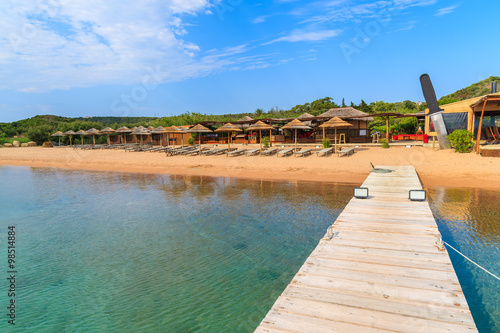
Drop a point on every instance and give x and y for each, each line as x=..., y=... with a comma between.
x=358, y=132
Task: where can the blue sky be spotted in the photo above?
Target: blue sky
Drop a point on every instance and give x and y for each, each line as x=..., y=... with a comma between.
x=160, y=58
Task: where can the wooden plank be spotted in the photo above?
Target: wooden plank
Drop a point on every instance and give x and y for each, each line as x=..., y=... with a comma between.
x=412, y=273
x=381, y=271
x=419, y=310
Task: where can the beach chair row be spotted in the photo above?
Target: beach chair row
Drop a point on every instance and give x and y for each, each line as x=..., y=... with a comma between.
x=233, y=152
x=129, y=146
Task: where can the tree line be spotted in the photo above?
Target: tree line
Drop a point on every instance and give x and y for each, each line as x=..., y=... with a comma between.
x=40, y=128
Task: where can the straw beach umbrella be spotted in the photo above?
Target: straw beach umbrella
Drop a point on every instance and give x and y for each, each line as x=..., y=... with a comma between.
x=141, y=132
x=229, y=128
x=260, y=126
x=296, y=125
x=124, y=130
x=172, y=130
x=70, y=133
x=81, y=133
x=199, y=129
x=93, y=132
x=59, y=134
x=335, y=122
x=108, y=131
x=159, y=130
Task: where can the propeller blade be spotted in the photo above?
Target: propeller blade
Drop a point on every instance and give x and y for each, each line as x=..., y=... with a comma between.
x=429, y=94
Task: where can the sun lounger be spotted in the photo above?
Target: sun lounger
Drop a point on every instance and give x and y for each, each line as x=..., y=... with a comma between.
x=236, y=152
x=197, y=151
x=176, y=151
x=157, y=149
x=224, y=150
x=81, y=146
x=215, y=151
x=345, y=151
x=324, y=152
x=303, y=153
x=187, y=150
x=269, y=151
x=285, y=152
x=252, y=152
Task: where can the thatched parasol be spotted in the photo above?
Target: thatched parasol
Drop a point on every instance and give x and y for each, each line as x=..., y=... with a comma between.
x=141, y=132
x=124, y=130
x=229, y=128
x=81, y=133
x=159, y=130
x=108, y=131
x=296, y=124
x=93, y=132
x=260, y=126
x=59, y=134
x=199, y=129
x=171, y=130
x=335, y=122
x=70, y=133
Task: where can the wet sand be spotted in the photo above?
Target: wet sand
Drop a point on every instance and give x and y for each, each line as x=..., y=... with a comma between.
x=435, y=168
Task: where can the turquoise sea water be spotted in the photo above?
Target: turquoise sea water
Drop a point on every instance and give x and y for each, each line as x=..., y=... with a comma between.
x=111, y=252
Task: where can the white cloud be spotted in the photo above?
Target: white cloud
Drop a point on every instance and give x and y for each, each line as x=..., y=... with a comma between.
x=307, y=36
x=81, y=44
x=446, y=10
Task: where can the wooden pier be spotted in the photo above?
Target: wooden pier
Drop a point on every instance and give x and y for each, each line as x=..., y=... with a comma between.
x=381, y=267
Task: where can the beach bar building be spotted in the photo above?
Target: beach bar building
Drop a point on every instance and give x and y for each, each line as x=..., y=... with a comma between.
x=466, y=115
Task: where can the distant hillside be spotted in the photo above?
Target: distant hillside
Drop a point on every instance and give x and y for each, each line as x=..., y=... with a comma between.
x=474, y=90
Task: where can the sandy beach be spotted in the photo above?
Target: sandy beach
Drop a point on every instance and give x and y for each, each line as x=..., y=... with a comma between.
x=435, y=168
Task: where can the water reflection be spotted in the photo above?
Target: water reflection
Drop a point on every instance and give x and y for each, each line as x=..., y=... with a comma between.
x=478, y=209
x=469, y=220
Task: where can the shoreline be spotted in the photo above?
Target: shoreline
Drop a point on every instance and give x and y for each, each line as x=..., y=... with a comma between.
x=434, y=168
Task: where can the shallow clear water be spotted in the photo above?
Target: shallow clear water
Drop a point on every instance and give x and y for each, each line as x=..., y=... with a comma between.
x=469, y=220
x=120, y=252
x=123, y=252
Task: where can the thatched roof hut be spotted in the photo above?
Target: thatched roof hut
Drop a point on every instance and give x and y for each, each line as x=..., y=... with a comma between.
x=348, y=112
x=305, y=116
x=247, y=118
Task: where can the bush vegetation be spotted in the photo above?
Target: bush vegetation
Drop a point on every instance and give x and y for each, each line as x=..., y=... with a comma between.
x=461, y=140
x=326, y=142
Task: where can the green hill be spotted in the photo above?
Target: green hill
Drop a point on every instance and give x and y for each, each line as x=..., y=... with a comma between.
x=474, y=90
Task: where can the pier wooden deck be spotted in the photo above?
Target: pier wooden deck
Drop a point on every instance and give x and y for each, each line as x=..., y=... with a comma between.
x=383, y=270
